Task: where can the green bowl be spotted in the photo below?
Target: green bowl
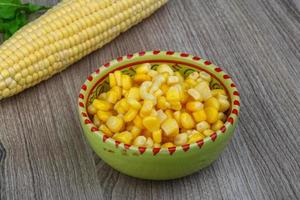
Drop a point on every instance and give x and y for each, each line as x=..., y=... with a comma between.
x=158, y=163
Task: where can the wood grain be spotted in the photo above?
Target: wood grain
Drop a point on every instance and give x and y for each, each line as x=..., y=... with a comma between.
x=43, y=154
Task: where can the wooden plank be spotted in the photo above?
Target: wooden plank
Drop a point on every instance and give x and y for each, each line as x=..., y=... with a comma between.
x=43, y=154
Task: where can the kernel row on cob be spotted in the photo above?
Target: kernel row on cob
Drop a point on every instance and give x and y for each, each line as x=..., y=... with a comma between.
x=62, y=36
x=159, y=108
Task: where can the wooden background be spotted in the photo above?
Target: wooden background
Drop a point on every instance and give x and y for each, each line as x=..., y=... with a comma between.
x=43, y=154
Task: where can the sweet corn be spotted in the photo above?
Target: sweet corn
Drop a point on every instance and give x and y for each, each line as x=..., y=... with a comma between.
x=96, y=121
x=134, y=103
x=124, y=137
x=140, y=141
x=151, y=123
x=172, y=80
x=105, y=130
x=199, y=115
x=138, y=122
x=190, y=82
x=162, y=103
x=173, y=94
x=195, y=137
x=217, y=125
x=103, y=115
x=170, y=127
x=169, y=113
x=212, y=102
x=92, y=110
x=175, y=105
x=118, y=77
x=208, y=132
x=118, y=91
x=134, y=93
x=195, y=94
x=102, y=96
x=42, y=49
x=222, y=116
x=126, y=82
x=130, y=115
x=179, y=76
x=205, y=76
x=139, y=78
x=181, y=139
x=102, y=105
x=112, y=80
x=157, y=136
x=202, y=126
x=152, y=73
x=112, y=96
x=119, y=108
x=135, y=131
x=217, y=92
x=164, y=88
x=224, y=104
x=158, y=93
x=177, y=115
x=211, y=114
x=204, y=90
x=143, y=68
x=149, y=142
x=161, y=115
x=187, y=121
x=193, y=106
x=115, y=124
x=165, y=68
x=167, y=145
x=146, y=108
x=193, y=76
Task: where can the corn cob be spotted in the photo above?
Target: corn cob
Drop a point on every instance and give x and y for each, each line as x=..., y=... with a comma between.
x=62, y=36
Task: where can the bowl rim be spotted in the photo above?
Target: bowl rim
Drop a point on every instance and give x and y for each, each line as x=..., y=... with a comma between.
x=199, y=63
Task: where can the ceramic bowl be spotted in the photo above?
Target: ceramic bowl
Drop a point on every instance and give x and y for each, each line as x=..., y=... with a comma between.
x=158, y=163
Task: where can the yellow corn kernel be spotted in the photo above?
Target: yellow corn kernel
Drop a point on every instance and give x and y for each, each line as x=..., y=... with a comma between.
x=138, y=122
x=162, y=103
x=130, y=115
x=190, y=82
x=217, y=125
x=140, y=141
x=167, y=145
x=161, y=115
x=169, y=113
x=180, y=77
x=146, y=108
x=165, y=68
x=173, y=94
x=103, y=115
x=222, y=116
x=211, y=114
x=149, y=142
x=152, y=73
x=124, y=137
x=193, y=76
x=112, y=97
x=177, y=115
x=217, y=92
x=157, y=136
x=134, y=103
x=102, y=96
x=115, y=124
x=119, y=108
x=170, y=127
x=126, y=81
x=208, y=132
x=105, y=130
x=135, y=131
x=224, y=104
x=158, y=93
x=124, y=104
x=181, y=139
x=134, y=93
x=187, y=121
x=164, y=87
x=92, y=110
x=112, y=80
x=223, y=96
x=195, y=137
x=204, y=90
x=96, y=121
x=212, y=102
x=118, y=91
x=202, y=126
x=205, y=76
x=118, y=77
x=175, y=105
x=143, y=68
x=102, y=105
x=195, y=94
x=139, y=78
x=172, y=80
x=199, y=115
x=151, y=123
x=193, y=106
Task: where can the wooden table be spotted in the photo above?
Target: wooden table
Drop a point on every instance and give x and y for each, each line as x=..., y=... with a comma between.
x=43, y=154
